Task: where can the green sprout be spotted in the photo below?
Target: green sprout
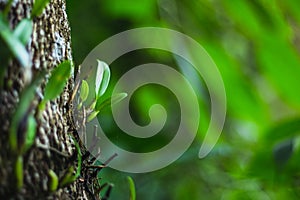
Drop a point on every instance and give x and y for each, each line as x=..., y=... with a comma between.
x=84, y=92
x=110, y=101
x=30, y=135
x=69, y=177
x=38, y=7
x=53, y=181
x=92, y=116
x=107, y=102
x=19, y=172
x=131, y=188
x=101, y=83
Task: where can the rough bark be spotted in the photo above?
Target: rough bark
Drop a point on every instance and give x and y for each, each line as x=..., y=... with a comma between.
x=50, y=45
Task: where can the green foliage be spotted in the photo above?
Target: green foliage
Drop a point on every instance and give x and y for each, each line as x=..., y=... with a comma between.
x=13, y=42
x=7, y=7
x=101, y=104
x=100, y=83
x=30, y=133
x=255, y=45
x=92, y=116
x=23, y=31
x=84, y=91
x=69, y=176
x=131, y=188
x=19, y=172
x=57, y=81
x=53, y=180
x=22, y=128
x=38, y=7
x=283, y=152
x=102, y=78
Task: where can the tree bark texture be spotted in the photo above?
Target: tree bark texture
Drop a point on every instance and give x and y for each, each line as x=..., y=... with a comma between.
x=54, y=148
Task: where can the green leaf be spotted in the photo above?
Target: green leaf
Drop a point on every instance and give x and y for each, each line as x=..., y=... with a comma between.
x=92, y=116
x=7, y=8
x=30, y=134
x=84, y=91
x=53, y=181
x=19, y=172
x=57, y=81
x=283, y=130
x=132, y=188
x=21, y=113
x=79, y=158
x=38, y=7
x=69, y=177
x=14, y=44
x=102, y=78
x=271, y=60
x=23, y=31
x=110, y=101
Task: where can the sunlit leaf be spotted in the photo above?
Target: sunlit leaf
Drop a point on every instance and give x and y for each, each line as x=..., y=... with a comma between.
x=14, y=44
x=68, y=177
x=110, y=101
x=92, y=116
x=57, y=80
x=283, y=130
x=38, y=7
x=53, y=181
x=84, y=90
x=102, y=78
x=23, y=31
x=131, y=188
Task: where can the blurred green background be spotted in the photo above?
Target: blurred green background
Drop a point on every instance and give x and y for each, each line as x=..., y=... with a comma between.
x=256, y=46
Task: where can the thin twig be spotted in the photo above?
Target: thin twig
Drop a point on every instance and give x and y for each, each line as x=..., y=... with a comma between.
x=53, y=149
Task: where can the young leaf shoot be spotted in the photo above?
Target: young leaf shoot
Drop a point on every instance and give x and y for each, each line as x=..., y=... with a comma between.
x=102, y=78
x=92, y=116
x=110, y=101
x=84, y=91
x=53, y=181
x=38, y=7
x=30, y=134
x=69, y=177
x=131, y=188
x=19, y=172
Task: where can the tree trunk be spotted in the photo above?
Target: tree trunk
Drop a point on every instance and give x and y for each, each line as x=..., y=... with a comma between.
x=54, y=147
